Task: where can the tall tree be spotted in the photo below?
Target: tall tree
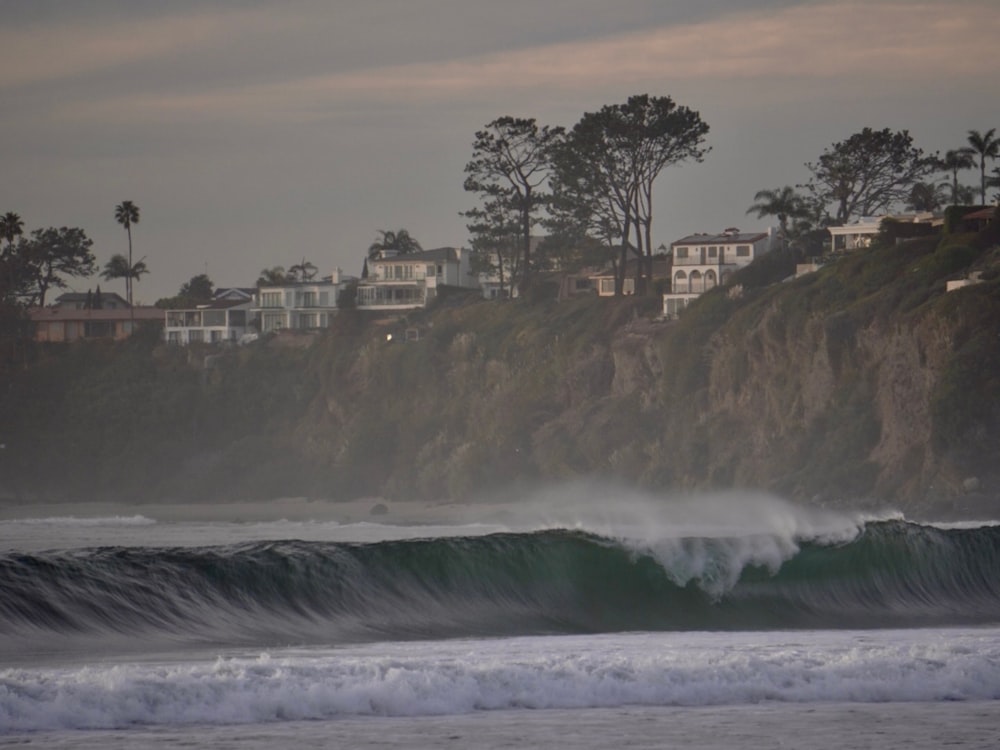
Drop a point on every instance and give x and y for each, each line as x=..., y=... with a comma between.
x=985, y=146
x=118, y=267
x=50, y=255
x=869, y=173
x=401, y=241
x=783, y=203
x=953, y=162
x=127, y=214
x=11, y=227
x=495, y=231
x=510, y=165
x=610, y=160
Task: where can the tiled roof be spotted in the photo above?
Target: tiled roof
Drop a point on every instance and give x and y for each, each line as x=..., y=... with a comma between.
x=720, y=239
x=39, y=314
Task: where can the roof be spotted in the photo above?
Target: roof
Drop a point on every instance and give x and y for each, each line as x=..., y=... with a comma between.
x=215, y=304
x=42, y=314
x=66, y=297
x=982, y=213
x=726, y=238
x=424, y=256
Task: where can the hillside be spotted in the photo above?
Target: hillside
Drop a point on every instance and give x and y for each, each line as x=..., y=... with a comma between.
x=863, y=384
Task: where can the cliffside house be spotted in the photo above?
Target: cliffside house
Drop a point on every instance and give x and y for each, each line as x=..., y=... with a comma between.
x=65, y=322
x=214, y=322
x=860, y=234
x=411, y=280
x=90, y=301
x=603, y=282
x=300, y=305
x=704, y=261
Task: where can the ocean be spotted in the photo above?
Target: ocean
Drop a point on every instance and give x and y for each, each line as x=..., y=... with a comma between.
x=734, y=623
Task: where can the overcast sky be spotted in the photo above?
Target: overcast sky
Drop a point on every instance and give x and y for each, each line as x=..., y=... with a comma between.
x=254, y=134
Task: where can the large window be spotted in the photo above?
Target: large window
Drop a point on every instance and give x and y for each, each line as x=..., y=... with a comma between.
x=271, y=299
x=742, y=251
x=214, y=318
x=681, y=252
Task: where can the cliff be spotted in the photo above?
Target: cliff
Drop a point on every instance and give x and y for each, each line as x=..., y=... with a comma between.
x=864, y=384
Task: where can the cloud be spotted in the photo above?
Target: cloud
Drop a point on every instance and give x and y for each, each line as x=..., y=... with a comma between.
x=31, y=55
x=911, y=42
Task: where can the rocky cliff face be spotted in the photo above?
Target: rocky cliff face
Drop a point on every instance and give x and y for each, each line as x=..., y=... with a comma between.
x=864, y=384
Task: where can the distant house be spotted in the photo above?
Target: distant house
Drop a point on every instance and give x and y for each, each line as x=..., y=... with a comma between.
x=65, y=323
x=90, y=300
x=704, y=261
x=241, y=293
x=299, y=305
x=604, y=281
x=861, y=233
x=222, y=320
x=411, y=280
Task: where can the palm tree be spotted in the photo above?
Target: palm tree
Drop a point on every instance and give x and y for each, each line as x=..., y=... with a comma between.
x=985, y=146
x=11, y=226
x=953, y=161
x=274, y=276
x=303, y=271
x=119, y=268
x=127, y=214
x=783, y=203
x=401, y=241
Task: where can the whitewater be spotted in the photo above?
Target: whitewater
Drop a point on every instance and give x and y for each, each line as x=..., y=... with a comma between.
x=578, y=618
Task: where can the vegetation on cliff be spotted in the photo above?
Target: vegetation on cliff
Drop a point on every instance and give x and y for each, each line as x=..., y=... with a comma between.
x=862, y=383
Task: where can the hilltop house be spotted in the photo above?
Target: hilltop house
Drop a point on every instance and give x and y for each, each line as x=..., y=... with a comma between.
x=860, y=234
x=300, y=305
x=214, y=322
x=704, y=261
x=411, y=280
x=64, y=322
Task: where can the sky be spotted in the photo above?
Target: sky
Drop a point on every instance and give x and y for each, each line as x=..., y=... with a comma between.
x=260, y=133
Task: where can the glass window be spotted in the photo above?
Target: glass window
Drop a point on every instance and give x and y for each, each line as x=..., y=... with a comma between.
x=743, y=251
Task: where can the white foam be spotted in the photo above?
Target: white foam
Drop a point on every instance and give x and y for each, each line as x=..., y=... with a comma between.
x=459, y=677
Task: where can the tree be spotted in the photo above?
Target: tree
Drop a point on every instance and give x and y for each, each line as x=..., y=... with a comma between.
x=127, y=214
x=495, y=237
x=400, y=241
x=927, y=196
x=11, y=226
x=118, y=268
x=274, y=276
x=198, y=290
x=953, y=162
x=304, y=271
x=511, y=162
x=783, y=203
x=985, y=146
x=49, y=255
x=609, y=161
x=868, y=173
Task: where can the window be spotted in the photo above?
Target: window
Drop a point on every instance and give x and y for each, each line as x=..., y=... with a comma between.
x=216, y=337
x=742, y=251
x=196, y=336
x=214, y=318
x=270, y=299
x=713, y=252
x=681, y=252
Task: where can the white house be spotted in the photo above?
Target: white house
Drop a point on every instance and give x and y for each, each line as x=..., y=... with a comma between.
x=704, y=261
x=411, y=280
x=222, y=320
x=859, y=234
x=299, y=305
